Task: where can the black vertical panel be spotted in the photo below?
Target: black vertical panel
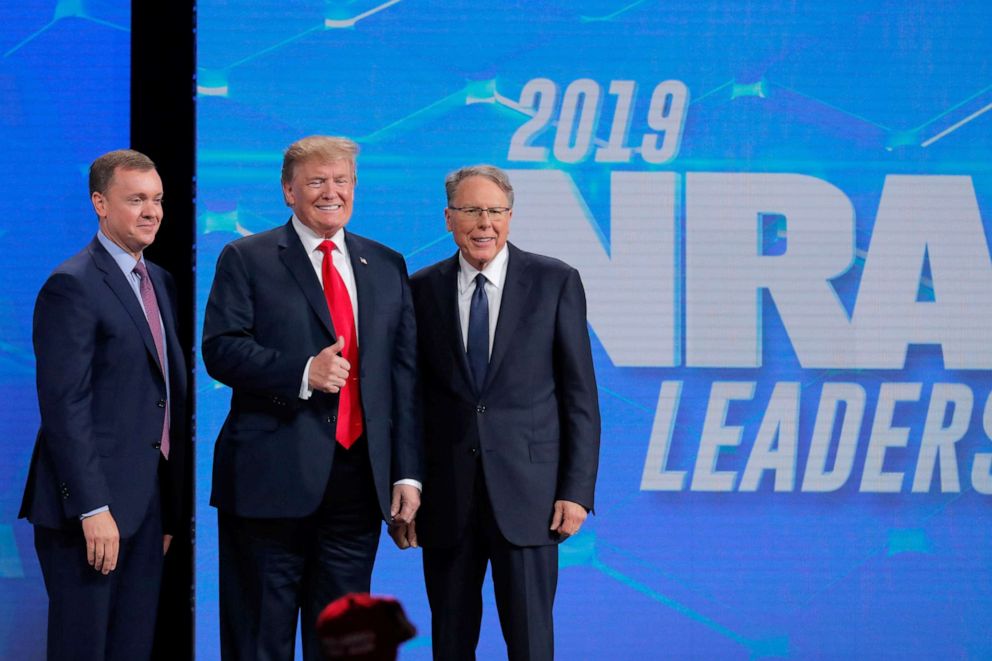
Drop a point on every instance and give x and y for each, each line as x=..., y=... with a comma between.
x=163, y=67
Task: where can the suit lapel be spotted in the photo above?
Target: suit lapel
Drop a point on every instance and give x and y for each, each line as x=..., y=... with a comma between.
x=295, y=258
x=511, y=308
x=446, y=298
x=364, y=287
x=118, y=284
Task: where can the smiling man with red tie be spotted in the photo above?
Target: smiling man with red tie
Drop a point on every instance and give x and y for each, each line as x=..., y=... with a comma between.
x=313, y=329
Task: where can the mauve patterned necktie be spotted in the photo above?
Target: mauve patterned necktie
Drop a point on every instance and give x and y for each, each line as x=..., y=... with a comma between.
x=154, y=319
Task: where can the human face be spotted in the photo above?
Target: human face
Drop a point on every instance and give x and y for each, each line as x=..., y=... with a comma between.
x=130, y=211
x=479, y=239
x=321, y=194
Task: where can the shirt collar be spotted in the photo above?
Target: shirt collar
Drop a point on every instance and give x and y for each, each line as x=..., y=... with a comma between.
x=311, y=239
x=124, y=260
x=495, y=270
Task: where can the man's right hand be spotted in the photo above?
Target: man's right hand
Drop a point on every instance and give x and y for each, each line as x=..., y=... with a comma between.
x=103, y=541
x=328, y=369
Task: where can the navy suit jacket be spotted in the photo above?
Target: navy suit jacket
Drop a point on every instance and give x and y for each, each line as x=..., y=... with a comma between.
x=266, y=316
x=535, y=424
x=102, y=397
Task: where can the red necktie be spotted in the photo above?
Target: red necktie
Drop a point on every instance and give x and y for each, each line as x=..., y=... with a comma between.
x=154, y=317
x=349, y=425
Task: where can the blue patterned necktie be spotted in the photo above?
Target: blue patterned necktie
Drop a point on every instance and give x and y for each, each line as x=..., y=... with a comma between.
x=478, y=332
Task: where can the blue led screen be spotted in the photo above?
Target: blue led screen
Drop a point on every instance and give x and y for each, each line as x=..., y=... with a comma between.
x=65, y=89
x=781, y=216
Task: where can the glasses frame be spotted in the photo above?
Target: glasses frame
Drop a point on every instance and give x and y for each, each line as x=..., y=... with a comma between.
x=497, y=213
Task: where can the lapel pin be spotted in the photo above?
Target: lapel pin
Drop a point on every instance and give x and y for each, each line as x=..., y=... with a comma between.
x=363, y=261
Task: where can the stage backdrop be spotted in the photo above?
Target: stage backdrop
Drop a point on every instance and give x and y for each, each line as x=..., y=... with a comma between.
x=64, y=99
x=781, y=216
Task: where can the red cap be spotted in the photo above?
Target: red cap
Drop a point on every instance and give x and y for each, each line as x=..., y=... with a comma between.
x=360, y=626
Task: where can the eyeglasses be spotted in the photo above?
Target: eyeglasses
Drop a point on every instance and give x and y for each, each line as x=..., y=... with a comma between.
x=495, y=213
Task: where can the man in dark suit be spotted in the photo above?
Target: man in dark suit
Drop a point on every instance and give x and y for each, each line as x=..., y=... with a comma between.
x=313, y=328
x=106, y=479
x=511, y=423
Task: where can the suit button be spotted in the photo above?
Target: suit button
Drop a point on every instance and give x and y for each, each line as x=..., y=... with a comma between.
x=481, y=408
x=157, y=445
x=473, y=451
x=331, y=419
x=160, y=403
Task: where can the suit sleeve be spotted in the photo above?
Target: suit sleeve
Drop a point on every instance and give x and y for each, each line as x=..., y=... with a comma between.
x=231, y=352
x=408, y=450
x=578, y=399
x=65, y=331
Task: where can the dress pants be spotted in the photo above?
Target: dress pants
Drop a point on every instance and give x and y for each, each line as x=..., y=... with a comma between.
x=272, y=570
x=524, y=579
x=93, y=617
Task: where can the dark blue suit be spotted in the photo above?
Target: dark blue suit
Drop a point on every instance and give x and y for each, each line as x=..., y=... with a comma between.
x=498, y=458
x=280, y=481
x=102, y=397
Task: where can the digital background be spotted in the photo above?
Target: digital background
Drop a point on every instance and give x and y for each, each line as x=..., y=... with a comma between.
x=801, y=213
x=816, y=108
x=65, y=86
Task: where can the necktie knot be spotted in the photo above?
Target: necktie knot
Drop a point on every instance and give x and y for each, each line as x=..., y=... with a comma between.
x=141, y=269
x=327, y=247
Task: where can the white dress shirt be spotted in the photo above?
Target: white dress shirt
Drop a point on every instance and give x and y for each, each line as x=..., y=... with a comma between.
x=495, y=274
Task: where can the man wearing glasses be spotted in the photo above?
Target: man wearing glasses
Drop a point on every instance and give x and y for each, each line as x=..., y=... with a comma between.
x=511, y=423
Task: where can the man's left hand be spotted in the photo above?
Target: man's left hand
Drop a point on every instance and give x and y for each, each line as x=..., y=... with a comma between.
x=406, y=502
x=568, y=517
x=404, y=534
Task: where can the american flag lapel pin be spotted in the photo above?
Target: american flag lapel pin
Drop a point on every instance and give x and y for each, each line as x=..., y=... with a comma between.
x=363, y=261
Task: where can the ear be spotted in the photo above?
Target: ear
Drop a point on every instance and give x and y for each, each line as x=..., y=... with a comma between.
x=99, y=203
x=287, y=194
x=448, y=222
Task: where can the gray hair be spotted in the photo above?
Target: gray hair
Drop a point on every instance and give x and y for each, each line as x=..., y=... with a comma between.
x=490, y=172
